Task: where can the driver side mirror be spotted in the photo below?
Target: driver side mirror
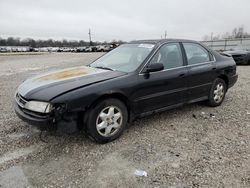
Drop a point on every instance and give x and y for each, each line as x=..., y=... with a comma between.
x=154, y=67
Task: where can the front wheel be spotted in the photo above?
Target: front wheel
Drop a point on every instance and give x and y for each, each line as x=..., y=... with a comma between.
x=106, y=120
x=217, y=92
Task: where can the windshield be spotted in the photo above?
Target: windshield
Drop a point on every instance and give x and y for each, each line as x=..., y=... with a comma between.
x=125, y=58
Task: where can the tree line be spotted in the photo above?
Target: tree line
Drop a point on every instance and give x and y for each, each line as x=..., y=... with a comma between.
x=237, y=33
x=11, y=41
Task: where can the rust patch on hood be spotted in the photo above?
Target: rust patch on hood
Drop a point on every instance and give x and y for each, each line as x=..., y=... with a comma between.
x=66, y=74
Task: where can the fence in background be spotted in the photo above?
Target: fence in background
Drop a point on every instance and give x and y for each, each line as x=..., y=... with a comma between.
x=228, y=44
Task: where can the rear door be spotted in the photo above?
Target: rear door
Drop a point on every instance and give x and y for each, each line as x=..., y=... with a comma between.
x=201, y=70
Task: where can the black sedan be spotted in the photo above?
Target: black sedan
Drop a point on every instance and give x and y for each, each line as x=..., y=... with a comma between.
x=241, y=57
x=133, y=80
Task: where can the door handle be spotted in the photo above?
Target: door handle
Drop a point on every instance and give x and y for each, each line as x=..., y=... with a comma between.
x=182, y=75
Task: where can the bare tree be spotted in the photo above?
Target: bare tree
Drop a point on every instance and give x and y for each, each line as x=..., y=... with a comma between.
x=237, y=32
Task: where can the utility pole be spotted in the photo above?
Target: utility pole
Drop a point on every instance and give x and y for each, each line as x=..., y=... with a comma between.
x=165, y=34
x=89, y=36
x=212, y=40
x=212, y=36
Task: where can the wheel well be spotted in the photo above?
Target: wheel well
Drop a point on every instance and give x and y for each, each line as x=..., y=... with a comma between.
x=81, y=121
x=224, y=77
x=118, y=96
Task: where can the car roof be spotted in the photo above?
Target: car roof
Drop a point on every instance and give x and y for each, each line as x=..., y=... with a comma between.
x=160, y=41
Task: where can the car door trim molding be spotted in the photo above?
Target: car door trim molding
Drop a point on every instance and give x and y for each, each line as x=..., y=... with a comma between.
x=160, y=94
x=193, y=87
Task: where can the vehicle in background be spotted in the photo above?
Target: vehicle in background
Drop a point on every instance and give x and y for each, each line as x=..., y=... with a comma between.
x=63, y=49
x=103, y=48
x=91, y=49
x=73, y=49
x=88, y=49
x=14, y=49
x=35, y=49
x=81, y=49
x=9, y=49
x=54, y=49
x=60, y=50
x=19, y=49
x=43, y=49
x=99, y=48
x=136, y=79
x=23, y=49
x=3, y=50
x=240, y=55
x=94, y=48
x=113, y=46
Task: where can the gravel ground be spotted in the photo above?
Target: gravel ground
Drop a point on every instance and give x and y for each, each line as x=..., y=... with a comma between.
x=192, y=146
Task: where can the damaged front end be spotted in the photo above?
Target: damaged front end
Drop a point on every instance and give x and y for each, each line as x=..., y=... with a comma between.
x=46, y=116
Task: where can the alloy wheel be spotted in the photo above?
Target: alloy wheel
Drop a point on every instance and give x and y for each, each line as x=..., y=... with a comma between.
x=219, y=92
x=109, y=121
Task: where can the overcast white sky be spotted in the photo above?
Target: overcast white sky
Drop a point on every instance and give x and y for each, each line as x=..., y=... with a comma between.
x=121, y=19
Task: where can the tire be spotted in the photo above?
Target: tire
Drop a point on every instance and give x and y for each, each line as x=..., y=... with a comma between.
x=106, y=120
x=217, y=92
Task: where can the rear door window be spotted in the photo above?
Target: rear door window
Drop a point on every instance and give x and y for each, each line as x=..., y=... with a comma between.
x=196, y=53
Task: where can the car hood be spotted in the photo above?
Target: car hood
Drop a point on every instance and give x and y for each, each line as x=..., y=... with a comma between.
x=47, y=86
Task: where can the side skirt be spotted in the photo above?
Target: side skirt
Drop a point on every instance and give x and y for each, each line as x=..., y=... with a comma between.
x=133, y=116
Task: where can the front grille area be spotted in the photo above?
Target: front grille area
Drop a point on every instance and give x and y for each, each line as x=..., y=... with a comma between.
x=20, y=100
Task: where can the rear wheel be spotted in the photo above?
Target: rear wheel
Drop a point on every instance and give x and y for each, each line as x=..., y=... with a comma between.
x=217, y=92
x=107, y=120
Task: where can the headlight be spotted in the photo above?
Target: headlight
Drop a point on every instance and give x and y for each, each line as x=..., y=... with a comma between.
x=42, y=107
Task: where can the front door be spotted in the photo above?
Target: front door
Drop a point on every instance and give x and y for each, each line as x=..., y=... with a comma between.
x=163, y=88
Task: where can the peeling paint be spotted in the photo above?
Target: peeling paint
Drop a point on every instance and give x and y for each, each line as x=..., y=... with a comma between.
x=59, y=76
x=66, y=74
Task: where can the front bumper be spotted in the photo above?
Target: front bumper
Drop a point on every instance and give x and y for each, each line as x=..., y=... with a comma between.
x=232, y=80
x=64, y=123
x=33, y=119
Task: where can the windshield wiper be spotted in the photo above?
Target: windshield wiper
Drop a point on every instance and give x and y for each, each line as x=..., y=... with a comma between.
x=106, y=68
